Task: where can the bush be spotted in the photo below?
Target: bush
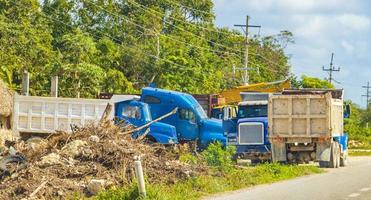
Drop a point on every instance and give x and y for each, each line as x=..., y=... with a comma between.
x=217, y=156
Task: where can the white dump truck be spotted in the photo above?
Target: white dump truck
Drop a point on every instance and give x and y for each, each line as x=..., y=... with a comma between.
x=33, y=114
x=307, y=125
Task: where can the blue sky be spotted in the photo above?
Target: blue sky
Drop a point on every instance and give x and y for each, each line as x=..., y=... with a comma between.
x=320, y=27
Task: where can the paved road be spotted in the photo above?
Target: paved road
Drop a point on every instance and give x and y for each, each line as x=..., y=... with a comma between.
x=350, y=183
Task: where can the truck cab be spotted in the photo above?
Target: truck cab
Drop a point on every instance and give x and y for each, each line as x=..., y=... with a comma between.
x=191, y=121
x=249, y=130
x=137, y=113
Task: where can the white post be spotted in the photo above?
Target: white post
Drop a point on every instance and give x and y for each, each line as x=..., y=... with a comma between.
x=26, y=83
x=140, y=176
x=54, y=87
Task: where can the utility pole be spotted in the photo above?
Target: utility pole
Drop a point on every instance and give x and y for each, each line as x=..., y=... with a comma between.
x=158, y=50
x=246, y=61
x=368, y=94
x=331, y=69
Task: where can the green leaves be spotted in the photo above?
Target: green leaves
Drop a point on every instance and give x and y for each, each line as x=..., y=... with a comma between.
x=112, y=46
x=311, y=82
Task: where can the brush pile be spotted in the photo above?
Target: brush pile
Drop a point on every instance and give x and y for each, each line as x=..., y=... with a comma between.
x=86, y=161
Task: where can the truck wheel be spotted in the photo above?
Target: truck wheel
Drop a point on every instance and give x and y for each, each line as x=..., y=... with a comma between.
x=324, y=164
x=333, y=155
x=344, y=160
x=338, y=154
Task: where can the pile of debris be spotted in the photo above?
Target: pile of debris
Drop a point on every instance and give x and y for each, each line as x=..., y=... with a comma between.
x=86, y=161
x=6, y=105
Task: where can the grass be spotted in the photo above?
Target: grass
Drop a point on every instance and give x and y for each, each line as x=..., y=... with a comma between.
x=195, y=188
x=359, y=153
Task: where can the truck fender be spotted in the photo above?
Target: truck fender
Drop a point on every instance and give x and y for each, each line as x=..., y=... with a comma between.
x=323, y=152
x=278, y=152
x=162, y=138
x=208, y=138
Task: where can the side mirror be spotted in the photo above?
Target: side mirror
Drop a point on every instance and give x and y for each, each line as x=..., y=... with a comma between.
x=347, y=111
x=226, y=113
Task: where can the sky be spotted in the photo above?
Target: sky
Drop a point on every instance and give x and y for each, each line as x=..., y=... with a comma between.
x=320, y=27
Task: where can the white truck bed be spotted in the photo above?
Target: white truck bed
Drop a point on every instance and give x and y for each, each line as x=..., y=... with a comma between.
x=48, y=114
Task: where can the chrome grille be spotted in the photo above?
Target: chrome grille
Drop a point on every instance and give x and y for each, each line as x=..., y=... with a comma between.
x=251, y=133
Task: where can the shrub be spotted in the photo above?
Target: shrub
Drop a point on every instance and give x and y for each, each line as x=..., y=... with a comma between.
x=217, y=156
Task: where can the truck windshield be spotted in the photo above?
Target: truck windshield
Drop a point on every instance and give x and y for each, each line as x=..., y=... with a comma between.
x=147, y=114
x=201, y=112
x=252, y=111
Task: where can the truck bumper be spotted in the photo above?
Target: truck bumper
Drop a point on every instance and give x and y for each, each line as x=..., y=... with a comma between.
x=253, y=152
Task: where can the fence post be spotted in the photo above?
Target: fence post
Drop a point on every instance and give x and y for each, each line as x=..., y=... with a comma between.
x=140, y=176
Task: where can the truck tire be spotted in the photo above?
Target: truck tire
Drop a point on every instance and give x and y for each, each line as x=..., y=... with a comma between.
x=338, y=154
x=333, y=157
x=344, y=160
x=324, y=164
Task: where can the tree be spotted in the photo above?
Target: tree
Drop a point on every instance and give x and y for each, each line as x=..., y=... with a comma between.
x=311, y=82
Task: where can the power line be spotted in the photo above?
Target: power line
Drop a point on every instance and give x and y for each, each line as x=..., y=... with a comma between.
x=151, y=11
x=331, y=69
x=368, y=94
x=109, y=36
x=201, y=11
x=157, y=34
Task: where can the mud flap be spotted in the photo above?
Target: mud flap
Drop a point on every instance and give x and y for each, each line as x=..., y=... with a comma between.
x=279, y=152
x=323, y=151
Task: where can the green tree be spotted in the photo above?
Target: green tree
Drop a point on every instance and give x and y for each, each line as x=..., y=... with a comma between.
x=311, y=82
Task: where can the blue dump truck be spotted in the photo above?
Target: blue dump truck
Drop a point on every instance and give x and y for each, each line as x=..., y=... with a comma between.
x=249, y=130
x=190, y=123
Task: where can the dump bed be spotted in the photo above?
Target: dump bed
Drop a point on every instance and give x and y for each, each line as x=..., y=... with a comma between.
x=33, y=114
x=305, y=115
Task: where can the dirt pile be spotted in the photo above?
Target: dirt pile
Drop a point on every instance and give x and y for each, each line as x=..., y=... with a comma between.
x=6, y=100
x=90, y=158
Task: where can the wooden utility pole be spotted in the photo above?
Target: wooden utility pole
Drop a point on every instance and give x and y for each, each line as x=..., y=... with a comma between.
x=368, y=94
x=26, y=83
x=331, y=69
x=246, y=61
x=54, y=87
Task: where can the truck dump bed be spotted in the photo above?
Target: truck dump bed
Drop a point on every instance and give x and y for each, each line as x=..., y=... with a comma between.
x=305, y=114
x=33, y=114
x=48, y=114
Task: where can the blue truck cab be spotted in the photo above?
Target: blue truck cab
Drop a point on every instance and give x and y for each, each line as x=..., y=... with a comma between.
x=191, y=121
x=138, y=114
x=249, y=130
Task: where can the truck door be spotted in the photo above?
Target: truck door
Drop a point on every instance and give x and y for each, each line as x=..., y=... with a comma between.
x=130, y=113
x=187, y=127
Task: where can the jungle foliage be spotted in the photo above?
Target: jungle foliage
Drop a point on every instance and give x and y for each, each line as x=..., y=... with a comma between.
x=120, y=46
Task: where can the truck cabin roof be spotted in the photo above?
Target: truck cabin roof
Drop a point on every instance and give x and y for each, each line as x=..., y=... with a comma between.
x=253, y=103
x=335, y=93
x=169, y=96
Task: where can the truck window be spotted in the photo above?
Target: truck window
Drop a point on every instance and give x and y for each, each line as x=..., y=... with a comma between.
x=151, y=100
x=131, y=112
x=186, y=114
x=252, y=111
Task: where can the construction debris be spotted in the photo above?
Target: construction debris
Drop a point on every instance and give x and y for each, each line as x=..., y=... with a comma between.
x=6, y=102
x=91, y=159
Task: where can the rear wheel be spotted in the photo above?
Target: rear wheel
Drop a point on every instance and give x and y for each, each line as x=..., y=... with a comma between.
x=324, y=164
x=334, y=157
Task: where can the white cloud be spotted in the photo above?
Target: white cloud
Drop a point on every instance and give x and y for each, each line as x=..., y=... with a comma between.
x=347, y=46
x=354, y=22
x=320, y=27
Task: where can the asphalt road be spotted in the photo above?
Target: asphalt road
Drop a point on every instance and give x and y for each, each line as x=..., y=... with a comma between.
x=347, y=183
